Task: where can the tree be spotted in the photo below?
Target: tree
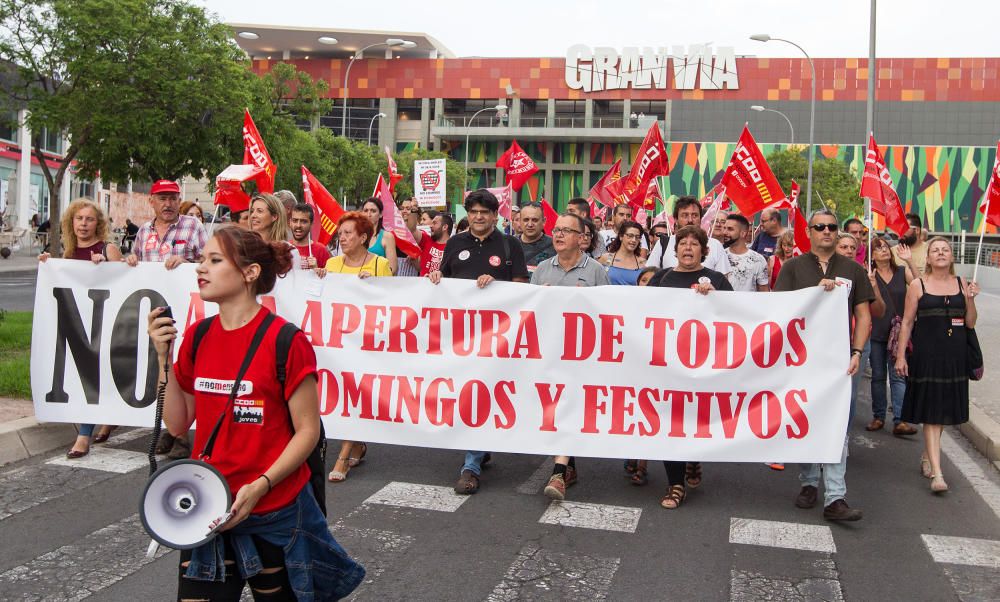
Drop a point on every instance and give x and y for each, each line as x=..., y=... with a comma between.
x=835, y=181
x=141, y=89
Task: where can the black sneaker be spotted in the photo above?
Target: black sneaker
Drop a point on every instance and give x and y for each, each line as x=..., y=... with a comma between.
x=839, y=510
x=807, y=497
x=181, y=449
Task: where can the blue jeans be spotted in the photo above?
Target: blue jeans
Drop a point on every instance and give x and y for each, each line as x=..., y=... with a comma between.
x=474, y=461
x=882, y=365
x=87, y=430
x=834, y=477
x=856, y=380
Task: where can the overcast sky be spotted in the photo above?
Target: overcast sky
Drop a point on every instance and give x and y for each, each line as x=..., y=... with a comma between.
x=829, y=28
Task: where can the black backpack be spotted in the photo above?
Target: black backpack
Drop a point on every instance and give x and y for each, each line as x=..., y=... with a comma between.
x=317, y=459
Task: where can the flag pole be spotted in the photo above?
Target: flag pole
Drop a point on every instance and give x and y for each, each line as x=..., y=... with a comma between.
x=982, y=232
x=215, y=220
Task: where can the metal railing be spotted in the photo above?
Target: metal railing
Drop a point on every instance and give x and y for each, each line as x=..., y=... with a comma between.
x=463, y=121
x=570, y=121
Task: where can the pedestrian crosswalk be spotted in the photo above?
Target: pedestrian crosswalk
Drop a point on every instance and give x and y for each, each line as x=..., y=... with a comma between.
x=393, y=523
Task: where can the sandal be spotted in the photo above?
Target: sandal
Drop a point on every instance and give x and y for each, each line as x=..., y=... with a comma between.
x=938, y=484
x=640, y=477
x=875, y=425
x=630, y=466
x=692, y=474
x=925, y=467
x=361, y=458
x=675, y=495
x=339, y=476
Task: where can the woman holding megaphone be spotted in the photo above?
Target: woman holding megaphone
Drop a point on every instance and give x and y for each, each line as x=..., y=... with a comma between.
x=275, y=534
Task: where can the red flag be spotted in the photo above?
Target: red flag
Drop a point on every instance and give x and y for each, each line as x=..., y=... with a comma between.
x=876, y=184
x=504, y=196
x=517, y=166
x=550, y=217
x=991, y=207
x=797, y=221
x=392, y=220
x=229, y=186
x=394, y=175
x=748, y=180
x=600, y=189
x=653, y=195
x=255, y=153
x=650, y=162
x=326, y=208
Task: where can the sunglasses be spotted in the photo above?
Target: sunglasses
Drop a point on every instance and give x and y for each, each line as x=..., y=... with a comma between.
x=822, y=227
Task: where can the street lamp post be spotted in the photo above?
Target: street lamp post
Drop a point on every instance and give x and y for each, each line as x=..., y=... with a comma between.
x=370, y=124
x=389, y=43
x=759, y=108
x=500, y=108
x=763, y=37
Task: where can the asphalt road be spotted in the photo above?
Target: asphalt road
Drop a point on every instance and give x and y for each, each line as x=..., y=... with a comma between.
x=17, y=290
x=70, y=532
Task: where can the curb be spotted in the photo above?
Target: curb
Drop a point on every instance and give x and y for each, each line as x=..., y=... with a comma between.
x=26, y=437
x=984, y=433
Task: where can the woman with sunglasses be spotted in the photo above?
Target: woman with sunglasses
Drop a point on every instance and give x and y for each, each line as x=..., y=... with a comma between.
x=940, y=308
x=624, y=257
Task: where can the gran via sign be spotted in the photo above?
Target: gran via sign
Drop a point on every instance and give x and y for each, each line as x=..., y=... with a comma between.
x=604, y=68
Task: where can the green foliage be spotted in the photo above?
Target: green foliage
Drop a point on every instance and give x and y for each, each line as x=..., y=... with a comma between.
x=15, y=353
x=833, y=180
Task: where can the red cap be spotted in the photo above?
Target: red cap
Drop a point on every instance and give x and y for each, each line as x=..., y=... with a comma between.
x=164, y=186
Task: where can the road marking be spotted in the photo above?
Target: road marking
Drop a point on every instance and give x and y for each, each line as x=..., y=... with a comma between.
x=822, y=583
x=864, y=441
x=105, y=459
x=973, y=470
x=29, y=486
x=538, y=479
x=963, y=550
x=592, y=516
x=83, y=568
x=374, y=549
x=127, y=436
x=422, y=497
x=774, y=534
x=540, y=574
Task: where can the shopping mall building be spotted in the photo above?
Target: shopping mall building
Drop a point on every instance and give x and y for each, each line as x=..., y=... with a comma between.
x=577, y=113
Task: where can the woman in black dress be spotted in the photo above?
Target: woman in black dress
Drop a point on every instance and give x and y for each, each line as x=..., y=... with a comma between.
x=940, y=306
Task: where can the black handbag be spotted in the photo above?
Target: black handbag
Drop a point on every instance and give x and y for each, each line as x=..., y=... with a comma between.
x=973, y=355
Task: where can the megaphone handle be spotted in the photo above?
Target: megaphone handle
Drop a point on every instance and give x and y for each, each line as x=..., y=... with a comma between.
x=152, y=549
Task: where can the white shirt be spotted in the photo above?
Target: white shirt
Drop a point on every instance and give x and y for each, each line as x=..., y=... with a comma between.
x=748, y=270
x=717, y=259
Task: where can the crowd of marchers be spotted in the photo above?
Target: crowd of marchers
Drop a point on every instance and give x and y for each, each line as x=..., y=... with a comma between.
x=908, y=312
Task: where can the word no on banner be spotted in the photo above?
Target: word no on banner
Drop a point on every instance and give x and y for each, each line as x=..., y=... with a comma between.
x=661, y=373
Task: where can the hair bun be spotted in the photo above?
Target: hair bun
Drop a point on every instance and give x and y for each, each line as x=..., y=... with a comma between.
x=281, y=251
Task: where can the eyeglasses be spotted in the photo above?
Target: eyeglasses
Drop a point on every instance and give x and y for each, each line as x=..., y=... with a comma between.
x=631, y=236
x=822, y=227
x=563, y=231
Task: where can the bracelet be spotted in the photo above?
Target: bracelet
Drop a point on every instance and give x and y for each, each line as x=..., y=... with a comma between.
x=857, y=351
x=268, y=482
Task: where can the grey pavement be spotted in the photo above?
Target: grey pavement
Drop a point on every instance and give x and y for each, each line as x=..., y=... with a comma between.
x=70, y=531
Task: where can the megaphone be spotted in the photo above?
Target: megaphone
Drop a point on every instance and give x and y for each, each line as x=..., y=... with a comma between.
x=181, y=501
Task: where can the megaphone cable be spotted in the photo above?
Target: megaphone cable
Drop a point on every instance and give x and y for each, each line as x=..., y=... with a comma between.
x=161, y=393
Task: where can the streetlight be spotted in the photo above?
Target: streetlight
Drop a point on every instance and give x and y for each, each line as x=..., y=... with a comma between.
x=389, y=43
x=763, y=37
x=370, y=124
x=759, y=109
x=500, y=108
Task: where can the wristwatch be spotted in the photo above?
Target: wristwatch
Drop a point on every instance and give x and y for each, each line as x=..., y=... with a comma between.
x=856, y=352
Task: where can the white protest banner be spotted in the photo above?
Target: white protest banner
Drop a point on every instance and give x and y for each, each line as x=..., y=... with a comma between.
x=428, y=182
x=604, y=372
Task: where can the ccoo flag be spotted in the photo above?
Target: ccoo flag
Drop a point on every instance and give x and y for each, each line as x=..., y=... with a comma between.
x=748, y=180
x=517, y=165
x=876, y=184
x=255, y=153
x=650, y=163
x=326, y=208
x=991, y=206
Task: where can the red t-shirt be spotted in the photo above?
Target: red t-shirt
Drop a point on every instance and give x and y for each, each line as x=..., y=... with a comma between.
x=431, y=253
x=258, y=426
x=321, y=253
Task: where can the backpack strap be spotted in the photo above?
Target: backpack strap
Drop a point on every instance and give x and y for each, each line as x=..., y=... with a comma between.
x=199, y=333
x=281, y=347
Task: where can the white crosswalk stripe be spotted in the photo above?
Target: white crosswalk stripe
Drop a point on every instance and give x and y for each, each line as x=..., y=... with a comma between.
x=963, y=550
x=422, y=497
x=592, y=516
x=792, y=536
x=29, y=486
x=537, y=573
x=83, y=568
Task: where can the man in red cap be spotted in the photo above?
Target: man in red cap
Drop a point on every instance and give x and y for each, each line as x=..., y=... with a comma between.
x=170, y=238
